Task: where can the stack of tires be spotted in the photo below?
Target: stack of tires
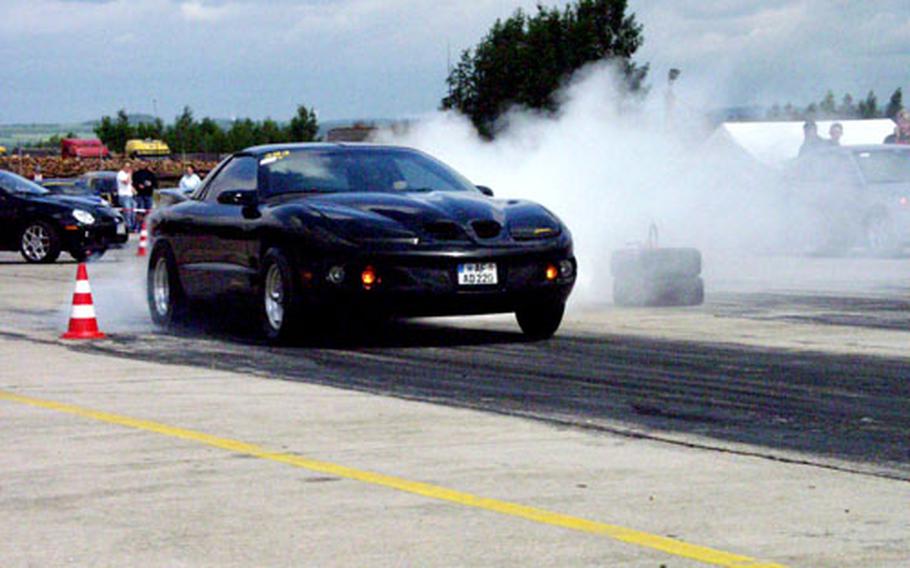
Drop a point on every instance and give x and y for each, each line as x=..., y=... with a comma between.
x=657, y=277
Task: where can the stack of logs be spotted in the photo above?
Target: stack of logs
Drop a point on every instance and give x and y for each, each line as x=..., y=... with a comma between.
x=57, y=167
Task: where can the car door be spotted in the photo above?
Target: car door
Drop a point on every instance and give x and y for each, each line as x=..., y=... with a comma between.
x=219, y=245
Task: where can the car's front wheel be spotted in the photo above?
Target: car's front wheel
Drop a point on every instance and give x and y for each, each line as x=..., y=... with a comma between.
x=280, y=297
x=166, y=299
x=880, y=235
x=540, y=321
x=39, y=243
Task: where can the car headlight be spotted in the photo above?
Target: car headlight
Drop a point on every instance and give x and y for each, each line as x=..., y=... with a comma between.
x=84, y=217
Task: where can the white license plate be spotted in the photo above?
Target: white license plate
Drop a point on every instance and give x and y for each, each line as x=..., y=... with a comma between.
x=477, y=274
x=121, y=228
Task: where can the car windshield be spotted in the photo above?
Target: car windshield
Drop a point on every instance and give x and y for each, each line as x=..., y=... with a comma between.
x=18, y=184
x=386, y=170
x=884, y=166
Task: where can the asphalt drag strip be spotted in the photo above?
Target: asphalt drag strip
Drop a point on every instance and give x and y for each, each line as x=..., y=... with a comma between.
x=842, y=411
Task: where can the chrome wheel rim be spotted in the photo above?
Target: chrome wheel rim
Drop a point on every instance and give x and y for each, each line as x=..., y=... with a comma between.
x=36, y=242
x=274, y=297
x=161, y=288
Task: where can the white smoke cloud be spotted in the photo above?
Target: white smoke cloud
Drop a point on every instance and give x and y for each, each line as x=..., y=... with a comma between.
x=609, y=169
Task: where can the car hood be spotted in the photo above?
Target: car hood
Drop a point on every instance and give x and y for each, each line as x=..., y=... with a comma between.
x=90, y=204
x=434, y=216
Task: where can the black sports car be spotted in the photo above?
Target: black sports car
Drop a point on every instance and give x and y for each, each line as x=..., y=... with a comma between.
x=366, y=229
x=41, y=225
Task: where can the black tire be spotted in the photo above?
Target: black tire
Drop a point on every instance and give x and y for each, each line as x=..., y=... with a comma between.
x=656, y=263
x=662, y=292
x=279, y=308
x=39, y=242
x=164, y=292
x=540, y=321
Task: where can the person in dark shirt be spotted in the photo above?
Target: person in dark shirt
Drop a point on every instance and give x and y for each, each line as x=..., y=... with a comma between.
x=811, y=140
x=901, y=130
x=146, y=182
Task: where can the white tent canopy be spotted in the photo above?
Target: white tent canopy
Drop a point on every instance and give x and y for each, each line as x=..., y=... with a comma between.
x=777, y=142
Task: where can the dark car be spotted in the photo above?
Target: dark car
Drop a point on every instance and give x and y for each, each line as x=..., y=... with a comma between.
x=860, y=193
x=69, y=187
x=306, y=228
x=40, y=224
x=100, y=183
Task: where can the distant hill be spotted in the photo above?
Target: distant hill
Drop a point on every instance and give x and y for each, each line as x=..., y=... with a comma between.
x=12, y=135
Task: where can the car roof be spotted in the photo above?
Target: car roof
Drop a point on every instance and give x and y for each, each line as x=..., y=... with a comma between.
x=268, y=148
x=870, y=148
x=100, y=174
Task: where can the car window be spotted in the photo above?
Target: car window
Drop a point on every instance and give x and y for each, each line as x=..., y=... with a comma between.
x=238, y=174
x=310, y=172
x=386, y=170
x=417, y=177
x=887, y=166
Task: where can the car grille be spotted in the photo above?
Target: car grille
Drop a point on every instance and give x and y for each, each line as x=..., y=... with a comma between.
x=486, y=229
x=445, y=231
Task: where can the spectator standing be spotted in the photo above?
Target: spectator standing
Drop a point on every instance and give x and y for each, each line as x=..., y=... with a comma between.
x=126, y=195
x=145, y=182
x=38, y=177
x=190, y=181
x=811, y=140
x=836, y=132
x=901, y=130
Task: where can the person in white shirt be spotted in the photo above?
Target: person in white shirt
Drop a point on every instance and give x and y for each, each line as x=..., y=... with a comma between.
x=125, y=195
x=190, y=181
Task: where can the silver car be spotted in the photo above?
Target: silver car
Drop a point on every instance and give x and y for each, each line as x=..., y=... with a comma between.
x=860, y=193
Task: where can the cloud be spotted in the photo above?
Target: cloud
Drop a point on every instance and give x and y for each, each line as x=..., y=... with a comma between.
x=778, y=50
x=363, y=58
x=197, y=11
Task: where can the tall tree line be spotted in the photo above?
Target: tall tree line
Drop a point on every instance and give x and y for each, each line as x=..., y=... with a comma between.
x=524, y=59
x=187, y=134
x=830, y=108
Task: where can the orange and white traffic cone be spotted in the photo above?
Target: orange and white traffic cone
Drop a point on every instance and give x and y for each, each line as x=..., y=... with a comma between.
x=143, y=241
x=83, y=324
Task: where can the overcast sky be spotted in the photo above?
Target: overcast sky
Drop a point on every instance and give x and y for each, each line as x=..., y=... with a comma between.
x=73, y=60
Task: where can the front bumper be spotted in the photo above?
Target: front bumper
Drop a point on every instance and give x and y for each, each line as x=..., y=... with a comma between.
x=104, y=234
x=427, y=285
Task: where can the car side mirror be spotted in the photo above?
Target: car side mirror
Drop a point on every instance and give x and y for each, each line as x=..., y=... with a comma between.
x=242, y=197
x=485, y=190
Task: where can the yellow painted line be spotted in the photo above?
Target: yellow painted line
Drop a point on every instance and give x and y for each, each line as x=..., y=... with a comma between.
x=646, y=540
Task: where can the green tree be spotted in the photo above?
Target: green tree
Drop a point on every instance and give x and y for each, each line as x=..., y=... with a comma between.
x=847, y=109
x=115, y=132
x=212, y=138
x=775, y=112
x=827, y=107
x=303, y=126
x=895, y=104
x=868, y=108
x=524, y=59
x=183, y=135
x=153, y=129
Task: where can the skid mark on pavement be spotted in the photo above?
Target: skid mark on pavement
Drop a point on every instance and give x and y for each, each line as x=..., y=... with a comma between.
x=631, y=536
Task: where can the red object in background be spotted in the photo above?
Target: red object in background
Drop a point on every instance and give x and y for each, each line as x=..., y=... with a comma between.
x=83, y=324
x=83, y=148
x=143, y=241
